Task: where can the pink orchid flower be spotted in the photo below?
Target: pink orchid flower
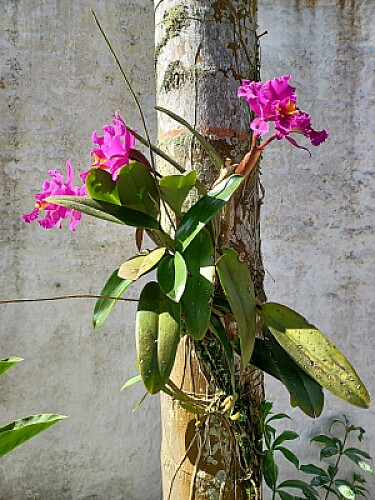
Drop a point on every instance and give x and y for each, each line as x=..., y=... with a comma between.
x=55, y=213
x=113, y=148
x=276, y=101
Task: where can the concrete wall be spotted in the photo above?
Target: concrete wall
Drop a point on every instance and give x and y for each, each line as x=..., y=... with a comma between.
x=58, y=83
x=318, y=216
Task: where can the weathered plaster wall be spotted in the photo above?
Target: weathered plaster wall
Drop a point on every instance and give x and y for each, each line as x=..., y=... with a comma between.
x=318, y=216
x=57, y=84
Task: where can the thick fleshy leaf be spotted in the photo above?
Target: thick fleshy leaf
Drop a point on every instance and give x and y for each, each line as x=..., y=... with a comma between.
x=172, y=276
x=139, y=265
x=106, y=211
x=101, y=186
x=114, y=287
x=17, y=432
x=239, y=289
x=7, y=363
x=157, y=336
x=271, y=358
x=314, y=353
x=131, y=382
x=175, y=188
x=210, y=150
x=137, y=189
x=201, y=212
x=219, y=331
x=197, y=298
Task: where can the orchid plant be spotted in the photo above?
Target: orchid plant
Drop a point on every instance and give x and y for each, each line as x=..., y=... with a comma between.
x=201, y=282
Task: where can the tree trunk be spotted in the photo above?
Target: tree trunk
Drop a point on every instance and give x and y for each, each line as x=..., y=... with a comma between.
x=203, y=50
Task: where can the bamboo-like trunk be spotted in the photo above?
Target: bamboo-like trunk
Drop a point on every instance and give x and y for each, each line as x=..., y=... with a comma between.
x=203, y=50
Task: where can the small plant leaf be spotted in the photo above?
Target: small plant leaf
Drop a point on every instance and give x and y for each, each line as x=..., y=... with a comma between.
x=345, y=489
x=270, y=469
x=211, y=151
x=328, y=451
x=106, y=211
x=137, y=189
x=322, y=438
x=17, y=432
x=314, y=353
x=239, y=289
x=289, y=455
x=131, y=381
x=219, y=331
x=197, y=298
x=278, y=416
x=356, y=451
x=206, y=207
x=313, y=469
x=7, y=363
x=286, y=496
x=157, y=336
x=308, y=491
x=114, y=287
x=172, y=276
x=285, y=436
x=101, y=186
x=139, y=265
x=175, y=188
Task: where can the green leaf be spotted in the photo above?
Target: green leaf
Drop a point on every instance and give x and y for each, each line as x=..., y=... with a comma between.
x=114, y=287
x=239, y=289
x=101, y=186
x=219, y=331
x=356, y=451
x=175, y=188
x=286, y=496
x=322, y=438
x=309, y=492
x=279, y=416
x=304, y=392
x=197, y=298
x=328, y=451
x=157, y=336
x=131, y=382
x=17, y=432
x=211, y=151
x=172, y=276
x=357, y=457
x=7, y=363
x=206, y=207
x=313, y=469
x=270, y=469
x=106, y=211
x=314, y=353
x=345, y=489
x=139, y=265
x=137, y=189
x=289, y=455
x=285, y=436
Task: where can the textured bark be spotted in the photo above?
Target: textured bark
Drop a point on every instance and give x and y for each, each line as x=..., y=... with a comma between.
x=203, y=50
